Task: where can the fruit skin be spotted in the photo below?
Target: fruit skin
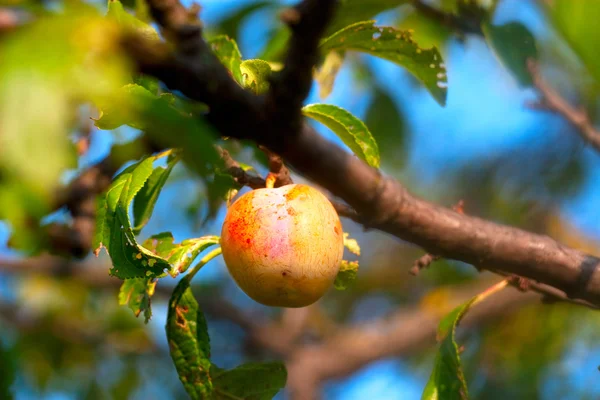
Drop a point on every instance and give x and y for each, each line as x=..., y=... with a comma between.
x=283, y=246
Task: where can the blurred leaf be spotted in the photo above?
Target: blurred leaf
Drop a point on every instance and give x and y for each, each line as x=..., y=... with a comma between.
x=351, y=244
x=7, y=376
x=230, y=25
x=145, y=200
x=217, y=193
x=276, y=44
x=136, y=293
x=326, y=75
x=41, y=87
x=127, y=383
x=228, y=53
x=350, y=11
x=251, y=381
x=513, y=44
x=256, y=75
x=124, y=108
x=128, y=21
x=447, y=380
x=387, y=126
x=135, y=106
x=427, y=31
x=396, y=46
x=180, y=256
x=189, y=343
x=113, y=229
x=353, y=132
x=346, y=275
x=577, y=22
x=470, y=9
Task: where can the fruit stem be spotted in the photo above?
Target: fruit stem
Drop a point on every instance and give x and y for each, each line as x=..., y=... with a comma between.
x=203, y=262
x=270, y=181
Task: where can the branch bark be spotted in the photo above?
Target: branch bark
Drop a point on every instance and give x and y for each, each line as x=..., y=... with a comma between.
x=382, y=203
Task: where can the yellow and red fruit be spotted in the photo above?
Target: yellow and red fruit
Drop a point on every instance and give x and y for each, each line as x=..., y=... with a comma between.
x=283, y=246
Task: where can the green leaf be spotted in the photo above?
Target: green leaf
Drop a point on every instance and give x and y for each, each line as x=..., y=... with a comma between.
x=387, y=126
x=256, y=75
x=513, y=44
x=346, y=275
x=144, y=202
x=351, y=11
x=228, y=53
x=396, y=46
x=276, y=46
x=113, y=229
x=180, y=256
x=126, y=108
x=353, y=132
x=136, y=293
x=159, y=116
x=251, y=381
x=447, y=380
x=189, y=343
x=577, y=22
x=427, y=31
x=230, y=25
x=326, y=75
x=128, y=21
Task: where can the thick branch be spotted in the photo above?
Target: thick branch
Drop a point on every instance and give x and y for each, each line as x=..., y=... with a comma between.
x=381, y=202
x=307, y=22
x=553, y=101
x=404, y=332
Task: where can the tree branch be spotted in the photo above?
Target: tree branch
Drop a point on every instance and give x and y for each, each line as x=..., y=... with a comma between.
x=381, y=202
x=552, y=100
x=406, y=331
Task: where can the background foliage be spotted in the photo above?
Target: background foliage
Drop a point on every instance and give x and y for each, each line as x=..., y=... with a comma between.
x=65, y=336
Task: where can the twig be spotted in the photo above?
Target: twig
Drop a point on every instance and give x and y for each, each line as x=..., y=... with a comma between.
x=277, y=168
x=426, y=260
x=551, y=100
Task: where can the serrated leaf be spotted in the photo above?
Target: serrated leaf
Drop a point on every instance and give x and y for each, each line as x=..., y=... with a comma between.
x=351, y=244
x=144, y=202
x=128, y=21
x=189, y=342
x=327, y=73
x=351, y=11
x=113, y=228
x=577, y=22
x=227, y=52
x=513, y=44
x=256, y=75
x=180, y=256
x=353, y=132
x=251, y=381
x=396, y=46
x=136, y=293
x=447, y=380
x=346, y=275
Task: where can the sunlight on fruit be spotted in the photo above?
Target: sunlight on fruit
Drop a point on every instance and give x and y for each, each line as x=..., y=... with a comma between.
x=283, y=246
